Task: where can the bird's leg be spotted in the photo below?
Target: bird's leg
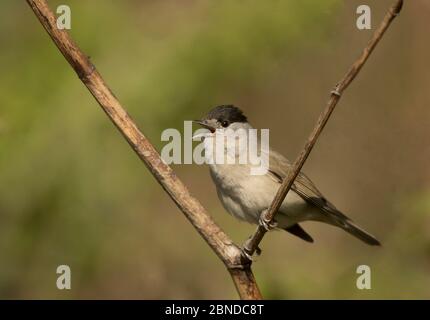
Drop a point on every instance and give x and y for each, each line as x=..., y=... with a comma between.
x=335, y=91
x=245, y=253
x=246, y=250
x=266, y=224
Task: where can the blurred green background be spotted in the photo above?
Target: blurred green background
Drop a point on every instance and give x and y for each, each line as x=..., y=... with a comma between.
x=73, y=192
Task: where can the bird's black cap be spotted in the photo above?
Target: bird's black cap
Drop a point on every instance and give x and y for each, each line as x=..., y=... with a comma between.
x=228, y=113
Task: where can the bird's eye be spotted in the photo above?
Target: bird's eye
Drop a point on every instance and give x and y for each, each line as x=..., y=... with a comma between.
x=224, y=123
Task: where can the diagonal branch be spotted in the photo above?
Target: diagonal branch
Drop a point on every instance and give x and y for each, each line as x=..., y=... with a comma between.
x=220, y=243
x=268, y=216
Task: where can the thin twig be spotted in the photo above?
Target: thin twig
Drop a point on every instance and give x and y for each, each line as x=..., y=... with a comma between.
x=220, y=243
x=268, y=216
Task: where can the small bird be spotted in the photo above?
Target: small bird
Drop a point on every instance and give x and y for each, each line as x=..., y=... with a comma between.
x=246, y=196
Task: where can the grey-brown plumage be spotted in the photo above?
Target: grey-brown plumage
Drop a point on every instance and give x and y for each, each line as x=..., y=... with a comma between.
x=245, y=195
x=306, y=189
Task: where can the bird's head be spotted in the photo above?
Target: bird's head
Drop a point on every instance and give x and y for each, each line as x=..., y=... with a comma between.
x=223, y=117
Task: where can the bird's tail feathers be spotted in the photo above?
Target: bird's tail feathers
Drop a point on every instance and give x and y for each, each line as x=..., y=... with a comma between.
x=356, y=231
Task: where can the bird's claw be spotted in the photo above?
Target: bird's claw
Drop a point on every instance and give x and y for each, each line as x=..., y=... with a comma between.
x=267, y=225
x=246, y=252
x=335, y=91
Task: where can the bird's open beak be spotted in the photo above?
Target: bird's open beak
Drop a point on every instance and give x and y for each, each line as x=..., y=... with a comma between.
x=205, y=124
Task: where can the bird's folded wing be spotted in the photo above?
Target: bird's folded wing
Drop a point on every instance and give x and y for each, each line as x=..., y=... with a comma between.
x=303, y=186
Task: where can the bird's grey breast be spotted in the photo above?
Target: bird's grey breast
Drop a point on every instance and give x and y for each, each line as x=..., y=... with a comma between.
x=243, y=195
x=246, y=196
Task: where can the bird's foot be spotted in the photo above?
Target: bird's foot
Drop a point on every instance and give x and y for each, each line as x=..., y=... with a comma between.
x=335, y=91
x=246, y=251
x=266, y=224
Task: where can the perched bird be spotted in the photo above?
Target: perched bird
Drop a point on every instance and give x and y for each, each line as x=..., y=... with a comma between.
x=246, y=196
